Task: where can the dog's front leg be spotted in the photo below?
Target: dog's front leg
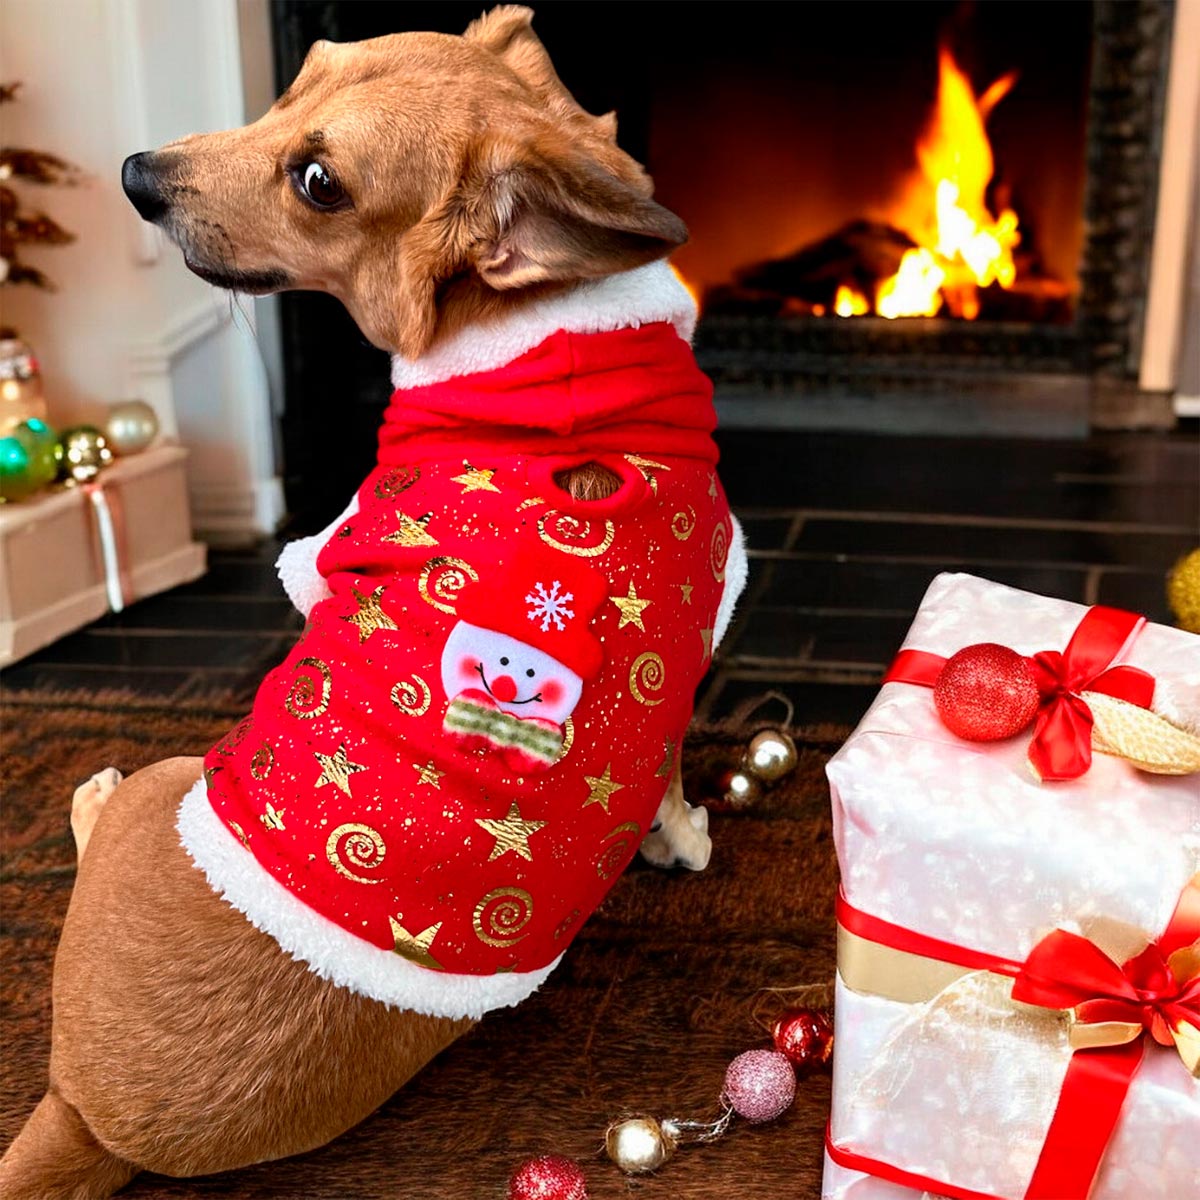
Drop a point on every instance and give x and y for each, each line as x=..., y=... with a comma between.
x=679, y=835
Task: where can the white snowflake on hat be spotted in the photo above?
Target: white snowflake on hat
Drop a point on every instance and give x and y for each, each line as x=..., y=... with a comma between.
x=515, y=664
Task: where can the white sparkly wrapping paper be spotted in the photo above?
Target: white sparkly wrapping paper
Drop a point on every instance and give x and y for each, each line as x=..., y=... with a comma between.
x=958, y=841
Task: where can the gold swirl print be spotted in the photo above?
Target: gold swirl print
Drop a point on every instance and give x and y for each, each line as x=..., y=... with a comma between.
x=683, y=524
x=304, y=699
x=357, y=846
x=574, y=536
x=718, y=551
x=397, y=480
x=237, y=735
x=501, y=915
x=441, y=580
x=263, y=761
x=568, y=739
x=647, y=675
x=613, y=854
x=412, y=699
x=566, y=923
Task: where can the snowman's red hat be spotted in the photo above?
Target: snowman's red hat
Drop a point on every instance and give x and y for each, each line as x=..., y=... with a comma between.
x=544, y=598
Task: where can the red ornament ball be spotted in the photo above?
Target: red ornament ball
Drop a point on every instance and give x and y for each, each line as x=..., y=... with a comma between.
x=550, y=1177
x=805, y=1035
x=759, y=1085
x=986, y=693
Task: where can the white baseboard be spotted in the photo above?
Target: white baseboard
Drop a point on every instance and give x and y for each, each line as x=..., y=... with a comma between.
x=1187, y=406
x=227, y=514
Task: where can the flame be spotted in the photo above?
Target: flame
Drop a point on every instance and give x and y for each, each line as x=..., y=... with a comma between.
x=960, y=246
x=850, y=303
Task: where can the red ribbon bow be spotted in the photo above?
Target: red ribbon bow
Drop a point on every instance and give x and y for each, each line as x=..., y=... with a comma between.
x=1062, y=735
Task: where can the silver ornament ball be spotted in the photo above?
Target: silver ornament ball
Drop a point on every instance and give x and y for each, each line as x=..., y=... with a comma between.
x=638, y=1145
x=742, y=789
x=131, y=426
x=772, y=754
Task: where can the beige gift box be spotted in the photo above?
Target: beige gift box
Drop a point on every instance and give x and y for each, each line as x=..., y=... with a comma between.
x=52, y=575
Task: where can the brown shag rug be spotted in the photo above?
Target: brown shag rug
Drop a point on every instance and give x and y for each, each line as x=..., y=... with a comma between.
x=652, y=1001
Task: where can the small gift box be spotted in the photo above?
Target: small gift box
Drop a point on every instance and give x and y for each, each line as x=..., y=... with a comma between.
x=1018, y=994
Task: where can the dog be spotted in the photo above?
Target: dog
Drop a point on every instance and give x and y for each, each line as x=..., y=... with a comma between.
x=381, y=852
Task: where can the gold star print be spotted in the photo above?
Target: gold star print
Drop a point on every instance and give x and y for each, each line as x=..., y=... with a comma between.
x=647, y=466
x=685, y=590
x=428, y=774
x=370, y=615
x=415, y=947
x=712, y=486
x=664, y=771
x=412, y=533
x=511, y=833
x=631, y=608
x=602, y=788
x=475, y=479
x=706, y=637
x=337, y=768
x=273, y=817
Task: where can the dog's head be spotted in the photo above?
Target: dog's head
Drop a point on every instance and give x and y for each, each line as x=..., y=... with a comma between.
x=423, y=179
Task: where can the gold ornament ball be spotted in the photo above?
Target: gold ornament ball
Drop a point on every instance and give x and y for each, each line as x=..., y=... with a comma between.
x=131, y=426
x=1183, y=591
x=638, y=1145
x=742, y=789
x=20, y=386
x=772, y=754
x=85, y=452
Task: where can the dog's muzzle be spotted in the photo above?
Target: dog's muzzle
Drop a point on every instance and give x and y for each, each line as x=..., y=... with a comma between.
x=143, y=186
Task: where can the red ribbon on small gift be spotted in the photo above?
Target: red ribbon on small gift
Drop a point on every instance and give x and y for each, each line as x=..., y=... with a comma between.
x=1062, y=735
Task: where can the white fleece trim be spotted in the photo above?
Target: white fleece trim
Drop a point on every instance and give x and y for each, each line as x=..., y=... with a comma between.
x=625, y=301
x=296, y=565
x=736, y=569
x=331, y=952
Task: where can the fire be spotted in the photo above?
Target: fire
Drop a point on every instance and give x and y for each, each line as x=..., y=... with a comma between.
x=850, y=303
x=960, y=245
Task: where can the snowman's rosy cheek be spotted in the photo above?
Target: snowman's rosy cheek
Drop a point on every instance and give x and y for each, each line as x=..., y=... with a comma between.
x=468, y=667
x=552, y=691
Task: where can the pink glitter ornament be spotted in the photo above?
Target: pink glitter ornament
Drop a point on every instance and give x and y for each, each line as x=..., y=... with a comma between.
x=759, y=1085
x=550, y=1177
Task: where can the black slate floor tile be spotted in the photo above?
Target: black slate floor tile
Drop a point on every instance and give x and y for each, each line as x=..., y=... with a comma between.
x=179, y=649
x=187, y=613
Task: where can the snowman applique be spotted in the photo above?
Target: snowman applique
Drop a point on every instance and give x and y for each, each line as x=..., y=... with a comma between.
x=515, y=664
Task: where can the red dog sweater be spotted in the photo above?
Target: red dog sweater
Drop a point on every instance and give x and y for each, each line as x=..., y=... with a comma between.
x=473, y=735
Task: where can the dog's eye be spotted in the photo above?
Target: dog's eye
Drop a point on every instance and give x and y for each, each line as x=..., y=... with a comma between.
x=321, y=186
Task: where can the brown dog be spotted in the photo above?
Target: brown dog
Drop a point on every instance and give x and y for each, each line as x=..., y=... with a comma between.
x=433, y=184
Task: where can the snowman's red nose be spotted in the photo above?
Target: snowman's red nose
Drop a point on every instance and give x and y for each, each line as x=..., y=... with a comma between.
x=504, y=688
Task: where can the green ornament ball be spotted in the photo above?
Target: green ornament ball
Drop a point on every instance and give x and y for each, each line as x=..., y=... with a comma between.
x=42, y=444
x=18, y=474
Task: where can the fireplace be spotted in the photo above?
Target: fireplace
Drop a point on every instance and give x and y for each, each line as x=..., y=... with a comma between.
x=831, y=166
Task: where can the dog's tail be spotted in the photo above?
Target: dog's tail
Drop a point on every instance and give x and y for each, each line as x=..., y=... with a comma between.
x=56, y=1157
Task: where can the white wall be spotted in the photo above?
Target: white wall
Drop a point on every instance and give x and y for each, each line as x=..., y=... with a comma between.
x=104, y=79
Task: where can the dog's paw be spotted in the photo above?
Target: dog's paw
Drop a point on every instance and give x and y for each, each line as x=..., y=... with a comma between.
x=89, y=799
x=680, y=843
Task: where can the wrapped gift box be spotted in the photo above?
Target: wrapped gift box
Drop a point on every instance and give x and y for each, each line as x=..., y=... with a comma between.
x=53, y=577
x=956, y=863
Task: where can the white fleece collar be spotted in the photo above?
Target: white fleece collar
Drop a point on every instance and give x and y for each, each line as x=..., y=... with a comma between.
x=626, y=301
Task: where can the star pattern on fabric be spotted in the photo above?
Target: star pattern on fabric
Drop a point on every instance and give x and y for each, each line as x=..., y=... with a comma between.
x=428, y=774
x=415, y=947
x=370, y=615
x=706, y=636
x=685, y=591
x=475, y=479
x=273, y=817
x=712, y=486
x=647, y=466
x=336, y=768
x=411, y=532
x=512, y=832
x=668, y=762
x=631, y=608
x=601, y=788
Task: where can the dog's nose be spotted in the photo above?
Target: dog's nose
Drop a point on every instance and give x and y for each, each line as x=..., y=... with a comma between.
x=143, y=187
x=504, y=688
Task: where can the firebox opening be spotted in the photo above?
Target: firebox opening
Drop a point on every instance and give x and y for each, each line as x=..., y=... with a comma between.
x=877, y=159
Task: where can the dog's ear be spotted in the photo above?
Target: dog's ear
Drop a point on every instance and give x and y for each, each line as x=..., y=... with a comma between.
x=507, y=32
x=551, y=213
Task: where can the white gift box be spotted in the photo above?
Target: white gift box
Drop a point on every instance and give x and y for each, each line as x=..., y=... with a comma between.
x=959, y=842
